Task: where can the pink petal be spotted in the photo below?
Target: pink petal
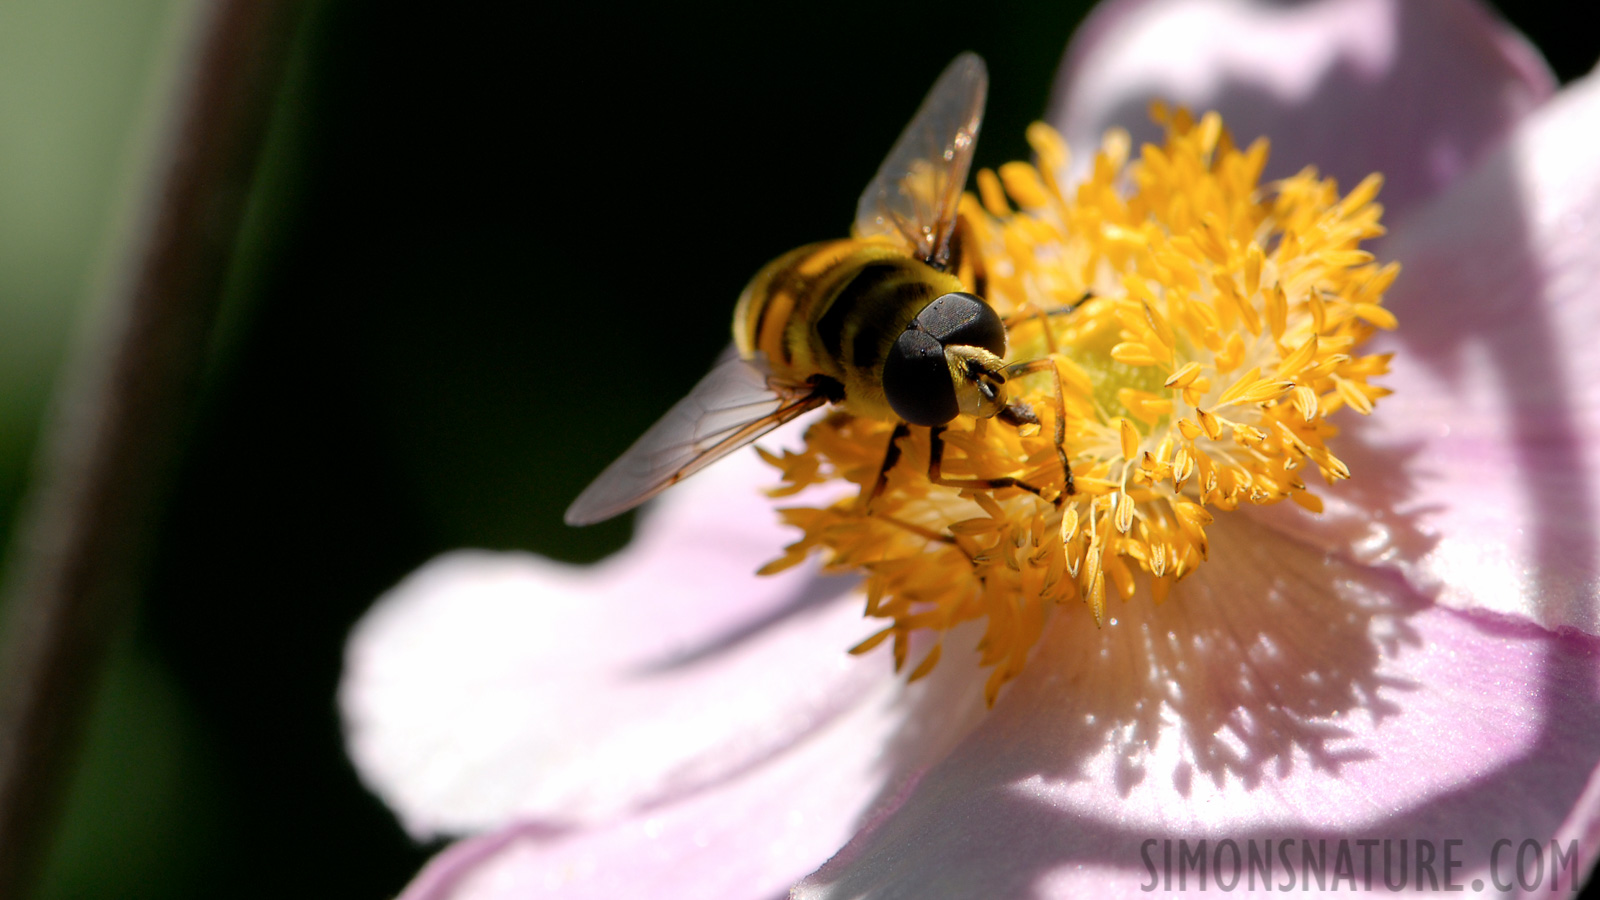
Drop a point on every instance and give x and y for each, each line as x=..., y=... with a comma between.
x=490, y=687
x=1275, y=695
x=752, y=833
x=1480, y=478
x=751, y=836
x=1417, y=91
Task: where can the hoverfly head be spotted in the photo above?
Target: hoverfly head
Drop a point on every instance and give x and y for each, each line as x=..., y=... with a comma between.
x=947, y=362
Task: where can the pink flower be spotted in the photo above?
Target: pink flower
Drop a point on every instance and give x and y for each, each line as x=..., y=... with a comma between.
x=1418, y=663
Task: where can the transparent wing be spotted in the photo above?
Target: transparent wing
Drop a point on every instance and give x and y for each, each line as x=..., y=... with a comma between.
x=734, y=404
x=916, y=191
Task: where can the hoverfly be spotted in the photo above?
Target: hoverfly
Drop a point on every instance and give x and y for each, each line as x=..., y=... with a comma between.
x=877, y=323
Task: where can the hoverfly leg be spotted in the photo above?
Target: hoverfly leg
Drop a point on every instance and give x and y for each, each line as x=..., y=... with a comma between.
x=936, y=475
x=1030, y=311
x=1068, y=488
x=890, y=457
x=1038, y=314
x=1033, y=366
x=1017, y=414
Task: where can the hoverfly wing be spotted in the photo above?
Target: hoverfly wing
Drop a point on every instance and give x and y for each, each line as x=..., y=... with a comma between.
x=735, y=403
x=917, y=189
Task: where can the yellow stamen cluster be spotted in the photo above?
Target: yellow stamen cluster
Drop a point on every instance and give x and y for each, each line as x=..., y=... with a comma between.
x=1203, y=328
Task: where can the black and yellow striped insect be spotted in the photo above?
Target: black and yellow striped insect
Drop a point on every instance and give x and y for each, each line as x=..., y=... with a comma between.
x=881, y=323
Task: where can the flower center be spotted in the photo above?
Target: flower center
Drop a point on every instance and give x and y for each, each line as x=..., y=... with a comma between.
x=1197, y=330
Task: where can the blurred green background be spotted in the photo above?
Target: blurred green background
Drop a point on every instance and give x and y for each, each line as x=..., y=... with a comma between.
x=485, y=248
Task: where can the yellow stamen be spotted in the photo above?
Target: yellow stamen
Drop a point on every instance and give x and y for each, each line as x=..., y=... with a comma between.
x=1218, y=334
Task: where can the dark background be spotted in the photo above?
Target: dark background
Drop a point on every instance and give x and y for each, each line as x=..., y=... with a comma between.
x=486, y=249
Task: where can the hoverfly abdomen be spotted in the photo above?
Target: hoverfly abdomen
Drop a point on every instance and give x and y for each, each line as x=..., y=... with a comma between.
x=854, y=326
x=946, y=362
x=848, y=332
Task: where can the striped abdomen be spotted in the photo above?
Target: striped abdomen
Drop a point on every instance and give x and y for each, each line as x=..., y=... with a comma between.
x=835, y=309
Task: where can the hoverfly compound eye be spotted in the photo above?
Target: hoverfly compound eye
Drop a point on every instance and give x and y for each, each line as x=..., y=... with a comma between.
x=964, y=319
x=916, y=380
